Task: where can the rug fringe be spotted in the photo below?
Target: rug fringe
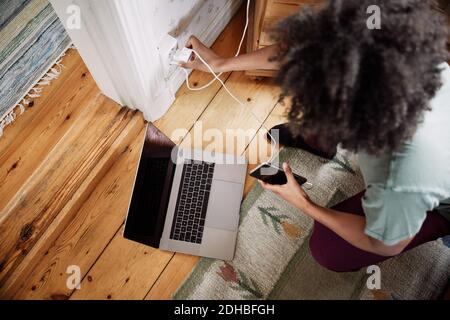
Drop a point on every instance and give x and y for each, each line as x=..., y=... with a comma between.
x=35, y=92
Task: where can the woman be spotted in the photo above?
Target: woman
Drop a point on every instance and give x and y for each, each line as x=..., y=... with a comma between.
x=384, y=94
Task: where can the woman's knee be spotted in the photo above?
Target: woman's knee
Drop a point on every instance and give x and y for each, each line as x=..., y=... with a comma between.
x=328, y=255
x=326, y=259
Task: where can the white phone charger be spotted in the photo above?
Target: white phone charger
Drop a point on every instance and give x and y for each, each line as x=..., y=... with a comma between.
x=182, y=56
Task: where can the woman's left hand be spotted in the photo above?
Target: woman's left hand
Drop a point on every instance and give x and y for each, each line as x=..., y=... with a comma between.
x=292, y=192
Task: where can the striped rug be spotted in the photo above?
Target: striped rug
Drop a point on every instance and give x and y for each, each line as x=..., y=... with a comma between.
x=31, y=41
x=273, y=260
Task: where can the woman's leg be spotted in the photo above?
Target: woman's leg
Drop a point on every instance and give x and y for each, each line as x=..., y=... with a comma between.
x=334, y=253
x=307, y=143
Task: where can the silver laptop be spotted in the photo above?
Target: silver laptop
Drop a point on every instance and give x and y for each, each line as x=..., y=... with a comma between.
x=185, y=200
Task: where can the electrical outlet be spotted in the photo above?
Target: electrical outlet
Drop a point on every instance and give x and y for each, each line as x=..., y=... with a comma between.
x=167, y=50
x=172, y=53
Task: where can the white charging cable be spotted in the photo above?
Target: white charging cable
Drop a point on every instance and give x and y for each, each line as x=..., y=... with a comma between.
x=237, y=53
x=273, y=140
x=217, y=77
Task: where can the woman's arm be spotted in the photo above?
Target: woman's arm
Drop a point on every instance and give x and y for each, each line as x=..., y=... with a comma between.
x=259, y=59
x=348, y=226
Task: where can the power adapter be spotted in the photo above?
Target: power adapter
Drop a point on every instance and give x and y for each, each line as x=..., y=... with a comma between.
x=182, y=56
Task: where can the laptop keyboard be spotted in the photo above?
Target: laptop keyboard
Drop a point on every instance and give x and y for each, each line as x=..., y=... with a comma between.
x=192, y=202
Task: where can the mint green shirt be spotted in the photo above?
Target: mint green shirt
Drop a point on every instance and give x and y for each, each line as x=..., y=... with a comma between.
x=403, y=186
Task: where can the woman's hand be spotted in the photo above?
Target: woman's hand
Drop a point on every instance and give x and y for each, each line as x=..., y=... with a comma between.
x=292, y=192
x=258, y=59
x=213, y=59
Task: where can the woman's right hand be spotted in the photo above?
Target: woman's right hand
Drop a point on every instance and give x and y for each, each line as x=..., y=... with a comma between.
x=213, y=59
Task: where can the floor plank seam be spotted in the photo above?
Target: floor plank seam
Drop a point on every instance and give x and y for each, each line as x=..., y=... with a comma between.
x=261, y=126
x=95, y=261
x=159, y=276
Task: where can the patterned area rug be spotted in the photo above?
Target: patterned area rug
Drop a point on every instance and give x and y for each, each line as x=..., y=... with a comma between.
x=31, y=41
x=273, y=261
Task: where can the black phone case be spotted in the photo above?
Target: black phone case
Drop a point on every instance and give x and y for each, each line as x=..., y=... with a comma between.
x=278, y=178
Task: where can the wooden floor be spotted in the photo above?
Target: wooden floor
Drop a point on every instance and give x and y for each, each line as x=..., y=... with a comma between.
x=66, y=171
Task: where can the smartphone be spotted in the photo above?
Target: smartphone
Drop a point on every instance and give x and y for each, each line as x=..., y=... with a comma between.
x=271, y=174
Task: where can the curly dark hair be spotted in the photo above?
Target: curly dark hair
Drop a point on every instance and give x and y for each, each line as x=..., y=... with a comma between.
x=366, y=89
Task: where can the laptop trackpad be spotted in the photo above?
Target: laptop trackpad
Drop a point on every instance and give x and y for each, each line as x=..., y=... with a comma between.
x=224, y=205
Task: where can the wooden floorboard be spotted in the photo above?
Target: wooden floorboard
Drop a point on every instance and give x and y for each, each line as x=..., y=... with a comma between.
x=89, y=232
x=29, y=140
x=66, y=198
x=172, y=277
x=65, y=178
x=61, y=92
x=183, y=114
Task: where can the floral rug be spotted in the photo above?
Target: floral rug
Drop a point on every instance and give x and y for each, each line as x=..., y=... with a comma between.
x=273, y=261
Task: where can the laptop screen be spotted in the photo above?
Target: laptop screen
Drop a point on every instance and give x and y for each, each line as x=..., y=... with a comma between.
x=148, y=205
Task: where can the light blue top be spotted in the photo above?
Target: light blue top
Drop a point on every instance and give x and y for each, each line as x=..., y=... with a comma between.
x=403, y=186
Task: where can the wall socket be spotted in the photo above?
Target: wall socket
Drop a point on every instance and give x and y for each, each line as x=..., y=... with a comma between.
x=167, y=49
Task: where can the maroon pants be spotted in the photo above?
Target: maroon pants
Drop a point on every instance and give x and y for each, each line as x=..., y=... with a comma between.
x=334, y=253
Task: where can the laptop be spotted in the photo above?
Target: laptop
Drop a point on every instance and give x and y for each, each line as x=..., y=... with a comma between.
x=185, y=200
